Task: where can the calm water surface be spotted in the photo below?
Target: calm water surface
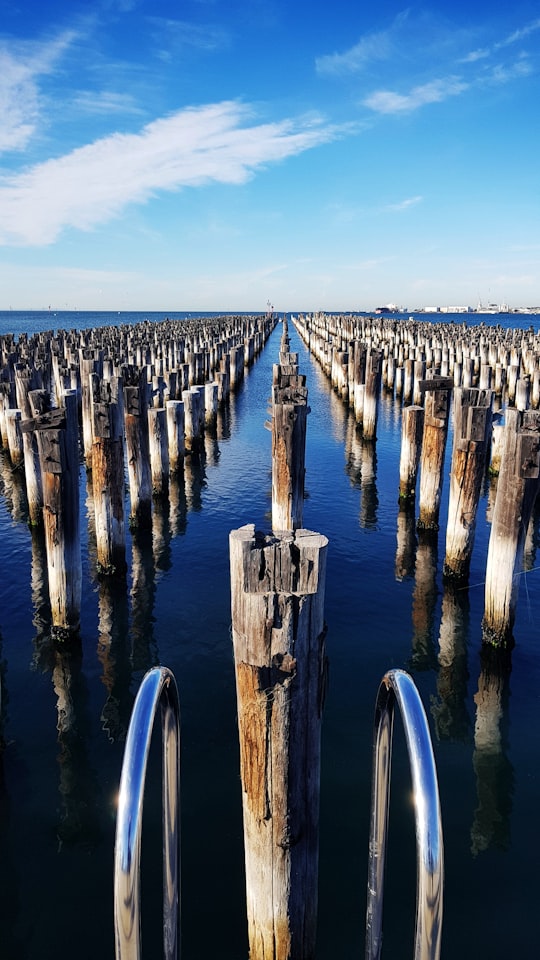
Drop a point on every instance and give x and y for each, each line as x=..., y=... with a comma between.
x=65, y=716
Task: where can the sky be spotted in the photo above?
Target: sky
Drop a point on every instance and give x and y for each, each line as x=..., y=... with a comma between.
x=235, y=154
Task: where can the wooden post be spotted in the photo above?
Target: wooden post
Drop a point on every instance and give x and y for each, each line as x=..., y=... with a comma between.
x=472, y=431
x=175, y=435
x=437, y=393
x=14, y=437
x=277, y=601
x=517, y=489
x=107, y=415
x=25, y=381
x=412, y=428
x=57, y=434
x=289, y=421
x=159, y=451
x=371, y=394
x=138, y=455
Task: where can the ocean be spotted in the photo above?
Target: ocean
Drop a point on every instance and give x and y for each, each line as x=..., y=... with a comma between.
x=64, y=717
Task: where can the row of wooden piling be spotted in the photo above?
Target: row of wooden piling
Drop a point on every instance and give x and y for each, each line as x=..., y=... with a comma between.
x=439, y=372
x=277, y=605
x=129, y=399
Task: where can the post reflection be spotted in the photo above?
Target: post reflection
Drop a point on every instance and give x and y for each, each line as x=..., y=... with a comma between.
x=449, y=710
x=361, y=468
x=406, y=542
x=424, y=602
x=113, y=654
x=143, y=652
x=195, y=478
x=493, y=771
x=78, y=785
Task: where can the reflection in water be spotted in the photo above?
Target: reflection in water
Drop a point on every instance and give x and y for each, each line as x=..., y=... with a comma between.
x=406, y=541
x=361, y=468
x=533, y=538
x=370, y=499
x=177, y=505
x=195, y=478
x=143, y=592
x=13, y=488
x=9, y=856
x=113, y=655
x=223, y=422
x=212, y=452
x=78, y=782
x=493, y=770
x=424, y=602
x=161, y=534
x=41, y=606
x=449, y=709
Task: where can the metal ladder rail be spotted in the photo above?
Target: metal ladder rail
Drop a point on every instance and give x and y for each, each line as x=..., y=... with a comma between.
x=158, y=688
x=397, y=685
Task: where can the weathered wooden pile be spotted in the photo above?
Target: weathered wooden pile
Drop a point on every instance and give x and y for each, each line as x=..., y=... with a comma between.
x=439, y=372
x=277, y=602
x=133, y=398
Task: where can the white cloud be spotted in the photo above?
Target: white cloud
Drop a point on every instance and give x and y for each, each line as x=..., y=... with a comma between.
x=520, y=34
x=195, y=146
x=403, y=204
x=20, y=67
x=387, y=101
x=372, y=47
x=106, y=102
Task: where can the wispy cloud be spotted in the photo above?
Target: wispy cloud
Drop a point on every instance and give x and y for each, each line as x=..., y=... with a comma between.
x=520, y=34
x=403, y=205
x=21, y=64
x=195, y=146
x=377, y=46
x=388, y=101
x=173, y=35
x=106, y=102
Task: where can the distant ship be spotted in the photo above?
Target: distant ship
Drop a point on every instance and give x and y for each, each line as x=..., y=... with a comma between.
x=390, y=308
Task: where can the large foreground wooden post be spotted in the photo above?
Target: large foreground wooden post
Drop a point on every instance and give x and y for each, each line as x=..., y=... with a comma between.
x=472, y=431
x=517, y=490
x=277, y=602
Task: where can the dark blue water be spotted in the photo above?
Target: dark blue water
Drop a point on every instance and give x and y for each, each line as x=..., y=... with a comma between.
x=64, y=717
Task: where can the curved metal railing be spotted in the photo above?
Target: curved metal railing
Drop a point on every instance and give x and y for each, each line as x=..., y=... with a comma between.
x=158, y=688
x=397, y=685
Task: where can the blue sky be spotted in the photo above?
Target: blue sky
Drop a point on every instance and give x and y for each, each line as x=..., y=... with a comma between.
x=223, y=154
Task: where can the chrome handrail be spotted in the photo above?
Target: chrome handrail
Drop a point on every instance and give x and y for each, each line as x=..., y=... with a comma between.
x=398, y=685
x=157, y=688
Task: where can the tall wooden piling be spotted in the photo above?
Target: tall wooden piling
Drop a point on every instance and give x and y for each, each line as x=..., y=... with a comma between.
x=138, y=454
x=517, y=490
x=107, y=413
x=371, y=393
x=412, y=429
x=25, y=381
x=57, y=434
x=289, y=422
x=437, y=394
x=472, y=432
x=277, y=598
x=159, y=451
